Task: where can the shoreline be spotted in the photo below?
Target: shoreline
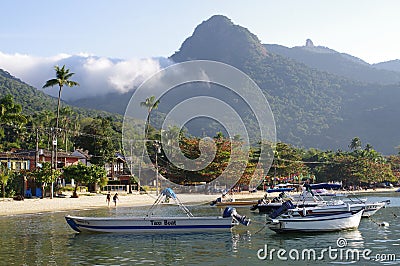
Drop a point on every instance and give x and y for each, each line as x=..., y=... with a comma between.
x=10, y=207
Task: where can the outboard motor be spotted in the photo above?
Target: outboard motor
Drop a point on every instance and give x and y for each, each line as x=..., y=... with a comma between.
x=255, y=206
x=287, y=205
x=227, y=212
x=231, y=212
x=218, y=200
x=276, y=199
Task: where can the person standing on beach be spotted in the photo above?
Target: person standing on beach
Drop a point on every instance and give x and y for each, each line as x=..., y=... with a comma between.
x=115, y=198
x=108, y=199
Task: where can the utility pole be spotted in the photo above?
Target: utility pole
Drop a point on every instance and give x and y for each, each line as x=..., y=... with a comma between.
x=131, y=166
x=54, y=162
x=157, y=148
x=37, y=148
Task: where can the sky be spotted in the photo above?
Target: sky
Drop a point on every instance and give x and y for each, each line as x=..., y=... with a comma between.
x=37, y=34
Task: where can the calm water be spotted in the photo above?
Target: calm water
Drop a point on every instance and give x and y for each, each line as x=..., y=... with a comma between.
x=45, y=239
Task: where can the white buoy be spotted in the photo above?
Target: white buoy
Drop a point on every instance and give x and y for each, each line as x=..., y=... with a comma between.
x=384, y=224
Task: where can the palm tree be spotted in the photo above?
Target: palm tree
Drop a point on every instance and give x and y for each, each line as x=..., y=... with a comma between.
x=150, y=104
x=62, y=78
x=368, y=147
x=172, y=135
x=66, y=114
x=355, y=143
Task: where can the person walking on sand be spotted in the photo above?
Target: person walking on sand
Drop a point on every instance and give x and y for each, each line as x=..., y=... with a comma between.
x=115, y=198
x=108, y=199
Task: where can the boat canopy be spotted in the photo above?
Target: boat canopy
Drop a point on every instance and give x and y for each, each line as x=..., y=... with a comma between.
x=325, y=186
x=169, y=193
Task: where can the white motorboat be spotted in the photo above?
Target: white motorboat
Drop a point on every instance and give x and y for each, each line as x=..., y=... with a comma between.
x=339, y=206
x=152, y=224
x=287, y=219
x=335, y=204
x=316, y=223
x=308, y=198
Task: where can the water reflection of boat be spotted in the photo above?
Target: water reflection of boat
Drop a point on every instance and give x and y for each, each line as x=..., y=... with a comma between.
x=150, y=223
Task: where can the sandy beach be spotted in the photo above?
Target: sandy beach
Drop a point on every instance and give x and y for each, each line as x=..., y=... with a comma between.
x=35, y=205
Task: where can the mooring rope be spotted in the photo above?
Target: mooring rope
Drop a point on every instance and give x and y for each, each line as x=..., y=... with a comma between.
x=378, y=223
x=261, y=223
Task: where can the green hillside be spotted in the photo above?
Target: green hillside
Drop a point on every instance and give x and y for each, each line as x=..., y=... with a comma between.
x=312, y=108
x=304, y=101
x=30, y=98
x=314, y=105
x=341, y=64
x=34, y=100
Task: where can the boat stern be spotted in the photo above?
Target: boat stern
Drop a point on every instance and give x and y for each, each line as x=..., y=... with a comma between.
x=275, y=225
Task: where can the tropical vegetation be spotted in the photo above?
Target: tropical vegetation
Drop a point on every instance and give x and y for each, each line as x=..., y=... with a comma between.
x=101, y=136
x=310, y=107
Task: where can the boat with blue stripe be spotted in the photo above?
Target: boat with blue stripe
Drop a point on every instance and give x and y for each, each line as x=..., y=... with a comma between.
x=154, y=224
x=149, y=224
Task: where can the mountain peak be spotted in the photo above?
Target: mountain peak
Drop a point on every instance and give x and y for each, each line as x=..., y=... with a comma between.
x=218, y=38
x=219, y=19
x=309, y=43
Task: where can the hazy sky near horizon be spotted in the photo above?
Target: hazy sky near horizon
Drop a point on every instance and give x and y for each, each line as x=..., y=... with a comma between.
x=129, y=29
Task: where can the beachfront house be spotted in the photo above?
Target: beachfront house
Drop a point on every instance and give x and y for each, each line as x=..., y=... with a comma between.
x=83, y=156
x=29, y=160
x=119, y=176
x=15, y=161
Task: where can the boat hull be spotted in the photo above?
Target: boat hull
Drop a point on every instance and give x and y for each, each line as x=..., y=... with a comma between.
x=317, y=223
x=272, y=190
x=270, y=207
x=316, y=208
x=148, y=224
x=371, y=208
x=235, y=203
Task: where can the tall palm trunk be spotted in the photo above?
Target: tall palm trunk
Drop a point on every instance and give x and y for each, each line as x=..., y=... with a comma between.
x=58, y=106
x=55, y=138
x=62, y=78
x=144, y=148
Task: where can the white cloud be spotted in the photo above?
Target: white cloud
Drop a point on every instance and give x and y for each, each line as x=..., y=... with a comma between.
x=96, y=75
